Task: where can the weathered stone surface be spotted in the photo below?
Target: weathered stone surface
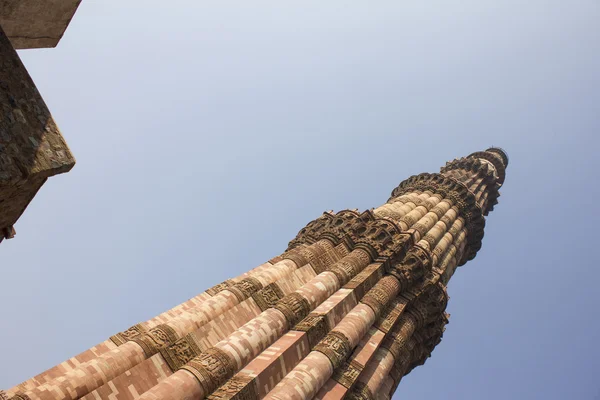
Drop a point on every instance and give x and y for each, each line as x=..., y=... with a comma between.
x=36, y=23
x=31, y=146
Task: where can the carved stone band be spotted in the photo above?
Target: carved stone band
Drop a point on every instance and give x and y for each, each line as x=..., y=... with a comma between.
x=360, y=391
x=155, y=339
x=180, y=352
x=347, y=374
x=315, y=326
x=245, y=288
x=268, y=296
x=220, y=287
x=336, y=346
x=212, y=368
x=294, y=307
x=381, y=294
x=332, y=227
x=390, y=316
x=240, y=387
x=131, y=333
x=345, y=269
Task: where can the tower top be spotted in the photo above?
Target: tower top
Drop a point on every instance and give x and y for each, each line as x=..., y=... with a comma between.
x=502, y=154
x=498, y=158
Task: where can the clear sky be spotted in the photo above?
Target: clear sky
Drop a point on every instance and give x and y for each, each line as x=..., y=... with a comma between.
x=207, y=133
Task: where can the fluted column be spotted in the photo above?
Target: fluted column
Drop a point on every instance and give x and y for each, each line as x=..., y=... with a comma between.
x=213, y=367
x=397, y=359
x=122, y=337
x=370, y=237
x=304, y=381
x=139, y=344
x=265, y=371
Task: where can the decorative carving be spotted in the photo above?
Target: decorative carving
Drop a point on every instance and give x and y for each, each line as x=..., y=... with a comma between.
x=495, y=159
x=314, y=255
x=221, y=286
x=360, y=391
x=294, y=306
x=381, y=294
x=455, y=191
x=430, y=238
x=359, y=279
x=240, y=387
x=212, y=368
x=400, y=334
x=376, y=263
x=131, y=333
x=245, y=288
x=348, y=373
x=413, y=267
x=411, y=352
x=319, y=255
x=501, y=153
x=332, y=227
x=180, y=352
x=296, y=256
x=275, y=260
x=155, y=339
x=310, y=233
x=315, y=326
x=346, y=268
x=380, y=237
x=268, y=296
x=426, y=340
x=390, y=315
x=429, y=304
x=340, y=225
x=336, y=346
x=399, y=367
x=474, y=167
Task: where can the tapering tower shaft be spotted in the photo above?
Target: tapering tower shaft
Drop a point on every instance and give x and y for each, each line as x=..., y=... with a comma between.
x=354, y=304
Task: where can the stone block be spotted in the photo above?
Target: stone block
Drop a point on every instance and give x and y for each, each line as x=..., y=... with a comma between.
x=33, y=24
x=31, y=146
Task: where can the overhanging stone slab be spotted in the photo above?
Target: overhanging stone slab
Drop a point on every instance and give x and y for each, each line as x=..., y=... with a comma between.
x=31, y=146
x=36, y=23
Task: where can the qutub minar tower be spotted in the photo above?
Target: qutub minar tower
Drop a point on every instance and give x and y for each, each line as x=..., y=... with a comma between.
x=355, y=303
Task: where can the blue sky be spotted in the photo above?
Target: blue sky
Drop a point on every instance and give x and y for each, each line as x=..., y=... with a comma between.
x=208, y=133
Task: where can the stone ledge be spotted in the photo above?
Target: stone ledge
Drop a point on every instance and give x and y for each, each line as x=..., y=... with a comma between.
x=33, y=24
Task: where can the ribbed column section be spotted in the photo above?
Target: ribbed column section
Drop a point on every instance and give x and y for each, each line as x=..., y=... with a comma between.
x=265, y=371
x=305, y=380
x=138, y=344
x=377, y=238
x=213, y=367
x=147, y=374
x=120, y=338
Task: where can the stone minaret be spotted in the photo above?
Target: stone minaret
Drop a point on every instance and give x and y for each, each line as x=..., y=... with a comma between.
x=355, y=303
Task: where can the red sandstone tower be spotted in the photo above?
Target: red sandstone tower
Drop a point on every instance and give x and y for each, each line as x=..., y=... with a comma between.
x=355, y=303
